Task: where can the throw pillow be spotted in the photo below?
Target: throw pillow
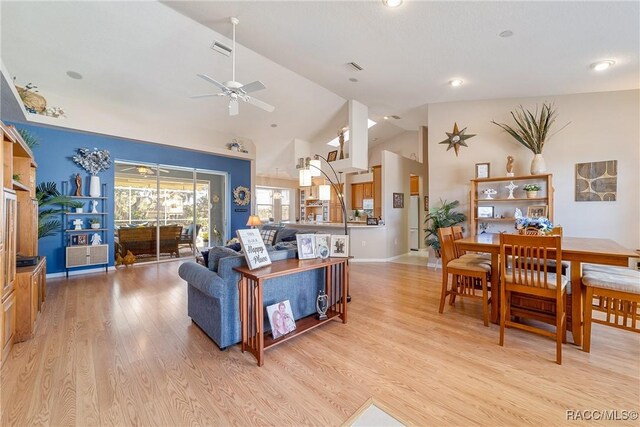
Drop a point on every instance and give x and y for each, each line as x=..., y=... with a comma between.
x=286, y=234
x=235, y=247
x=205, y=257
x=268, y=236
x=216, y=254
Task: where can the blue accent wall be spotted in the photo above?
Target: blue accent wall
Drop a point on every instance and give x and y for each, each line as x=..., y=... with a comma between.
x=53, y=156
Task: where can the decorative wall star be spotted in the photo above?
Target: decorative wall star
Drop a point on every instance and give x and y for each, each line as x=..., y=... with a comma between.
x=456, y=138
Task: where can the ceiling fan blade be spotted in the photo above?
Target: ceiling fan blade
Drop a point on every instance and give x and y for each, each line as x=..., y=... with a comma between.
x=253, y=86
x=233, y=107
x=259, y=104
x=206, y=95
x=212, y=81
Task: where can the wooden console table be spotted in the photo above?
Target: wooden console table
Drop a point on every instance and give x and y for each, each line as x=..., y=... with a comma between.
x=254, y=339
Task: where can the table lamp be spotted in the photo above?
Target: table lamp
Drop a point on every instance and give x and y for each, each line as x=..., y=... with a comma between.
x=254, y=220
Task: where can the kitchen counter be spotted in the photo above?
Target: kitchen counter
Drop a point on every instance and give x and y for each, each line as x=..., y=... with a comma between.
x=311, y=224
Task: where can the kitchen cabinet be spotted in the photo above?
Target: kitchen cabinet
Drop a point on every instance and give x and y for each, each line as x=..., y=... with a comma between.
x=377, y=191
x=356, y=196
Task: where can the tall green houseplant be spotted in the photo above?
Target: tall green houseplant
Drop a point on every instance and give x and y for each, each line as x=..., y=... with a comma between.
x=48, y=196
x=444, y=215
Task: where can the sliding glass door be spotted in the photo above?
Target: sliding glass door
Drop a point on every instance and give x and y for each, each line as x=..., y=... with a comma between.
x=165, y=212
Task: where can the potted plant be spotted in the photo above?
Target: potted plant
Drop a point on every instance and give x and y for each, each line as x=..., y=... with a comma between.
x=532, y=131
x=532, y=190
x=94, y=222
x=444, y=215
x=93, y=162
x=205, y=238
x=48, y=195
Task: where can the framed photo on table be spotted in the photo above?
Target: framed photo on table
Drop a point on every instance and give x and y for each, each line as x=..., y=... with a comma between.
x=339, y=246
x=83, y=239
x=482, y=170
x=372, y=221
x=306, y=246
x=537, y=211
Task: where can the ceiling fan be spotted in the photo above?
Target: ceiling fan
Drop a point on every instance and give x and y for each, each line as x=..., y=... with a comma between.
x=233, y=89
x=144, y=170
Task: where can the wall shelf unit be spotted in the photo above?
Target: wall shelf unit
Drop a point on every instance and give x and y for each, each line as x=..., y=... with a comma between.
x=504, y=209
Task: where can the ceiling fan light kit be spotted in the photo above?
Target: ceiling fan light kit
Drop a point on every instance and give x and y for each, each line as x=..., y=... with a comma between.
x=233, y=89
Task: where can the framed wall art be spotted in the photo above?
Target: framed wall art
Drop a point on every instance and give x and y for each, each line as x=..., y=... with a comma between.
x=537, y=211
x=398, y=200
x=482, y=170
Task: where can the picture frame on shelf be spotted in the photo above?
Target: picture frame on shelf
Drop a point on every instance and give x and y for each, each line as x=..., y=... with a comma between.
x=332, y=156
x=281, y=319
x=372, y=221
x=339, y=246
x=323, y=243
x=483, y=170
x=398, y=200
x=537, y=211
x=83, y=239
x=73, y=240
x=486, y=212
x=306, y=246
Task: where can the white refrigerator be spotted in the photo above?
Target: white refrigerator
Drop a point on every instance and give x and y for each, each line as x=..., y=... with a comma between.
x=414, y=223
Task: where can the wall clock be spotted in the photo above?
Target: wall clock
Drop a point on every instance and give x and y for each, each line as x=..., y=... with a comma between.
x=241, y=196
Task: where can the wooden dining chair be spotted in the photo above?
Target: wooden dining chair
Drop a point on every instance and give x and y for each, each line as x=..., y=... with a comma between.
x=533, y=278
x=469, y=278
x=459, y=234
x=615, y=293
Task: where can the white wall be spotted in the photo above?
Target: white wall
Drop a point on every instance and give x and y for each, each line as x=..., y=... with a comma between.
x=604, y=126
x=403, y=144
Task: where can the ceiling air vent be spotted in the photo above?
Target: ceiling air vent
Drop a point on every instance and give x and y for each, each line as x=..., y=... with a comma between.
x=219, y=47
x=355, y=66
x=395, y=117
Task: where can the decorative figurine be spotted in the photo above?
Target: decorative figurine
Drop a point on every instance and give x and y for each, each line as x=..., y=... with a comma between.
x=78, y=186
x=94, y=205
x=77, y=224
x=518, y=214
x=341, y=142
x=322, y=305
x=96, y=239
x=511, y=187
x=489, y=192
x=509, y=165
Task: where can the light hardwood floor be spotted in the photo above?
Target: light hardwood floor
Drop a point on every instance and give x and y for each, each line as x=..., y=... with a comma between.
x=119, y=349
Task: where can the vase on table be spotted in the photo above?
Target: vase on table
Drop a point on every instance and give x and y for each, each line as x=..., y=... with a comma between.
x=94, y=186
x=538, y=165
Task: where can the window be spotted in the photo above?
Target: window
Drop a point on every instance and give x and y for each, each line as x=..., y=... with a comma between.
x=273, y=204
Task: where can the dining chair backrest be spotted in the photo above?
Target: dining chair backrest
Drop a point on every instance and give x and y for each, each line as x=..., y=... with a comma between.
x=539, y=250
x=447, y=247
x=557, y=231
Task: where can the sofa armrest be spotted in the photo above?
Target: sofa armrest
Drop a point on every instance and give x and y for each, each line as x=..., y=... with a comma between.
x=203, y=279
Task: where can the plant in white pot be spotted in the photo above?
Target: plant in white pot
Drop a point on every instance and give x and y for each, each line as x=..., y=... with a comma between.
x=532, y=131
x=93, y=162
x=532, y=190
x=94, y=222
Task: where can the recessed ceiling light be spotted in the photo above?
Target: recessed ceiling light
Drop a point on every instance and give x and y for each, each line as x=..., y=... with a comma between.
x=353, y=79
x=602, y=65
x=74, y=75
x=455, y=82
x=392, y=3
x=506, y=33
x=386, y=117
x=274, y=125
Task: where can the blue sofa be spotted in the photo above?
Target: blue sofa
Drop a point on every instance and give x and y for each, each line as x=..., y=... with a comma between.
x=213, y=301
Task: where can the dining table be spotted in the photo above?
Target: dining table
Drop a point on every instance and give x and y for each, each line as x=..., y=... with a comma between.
x=577, y=250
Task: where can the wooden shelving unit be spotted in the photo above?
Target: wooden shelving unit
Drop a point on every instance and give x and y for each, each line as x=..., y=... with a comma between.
x=506, y=206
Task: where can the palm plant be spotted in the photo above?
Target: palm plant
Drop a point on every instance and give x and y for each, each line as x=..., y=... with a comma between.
x=48, y=195
x=532, y=131
x=444, y=215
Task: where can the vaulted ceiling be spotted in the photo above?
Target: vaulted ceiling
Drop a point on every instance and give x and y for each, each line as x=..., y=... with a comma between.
x=139, y=61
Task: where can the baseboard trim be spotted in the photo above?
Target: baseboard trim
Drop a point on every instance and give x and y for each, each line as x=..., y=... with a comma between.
x=377, y=259
x=79, y=272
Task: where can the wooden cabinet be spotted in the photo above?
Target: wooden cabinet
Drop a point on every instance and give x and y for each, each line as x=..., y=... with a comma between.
x=377, y=191
x=498, y=212
x=356, y=196
x=7, y=328
x=30, y=294
x=367, y=190
x=335, y=207
x=77, y=256
x=8, y=323
x=414, y=185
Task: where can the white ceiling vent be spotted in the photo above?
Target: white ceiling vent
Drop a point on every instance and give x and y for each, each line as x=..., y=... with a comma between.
x=395, y=117
x=223, y=49
x=355, y=66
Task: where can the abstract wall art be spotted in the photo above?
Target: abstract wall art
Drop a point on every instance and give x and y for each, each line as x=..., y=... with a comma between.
x=597, y=181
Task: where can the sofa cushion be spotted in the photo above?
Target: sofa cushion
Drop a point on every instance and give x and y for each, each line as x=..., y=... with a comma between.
x=234, y=247
x=268, y=236
x=216, y=254
x=286, y=246
x=286, y=233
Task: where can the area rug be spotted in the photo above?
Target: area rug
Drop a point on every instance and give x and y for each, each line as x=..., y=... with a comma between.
x=373, y=414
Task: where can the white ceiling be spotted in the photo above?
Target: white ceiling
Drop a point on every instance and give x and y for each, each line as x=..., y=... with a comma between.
x=139, y=60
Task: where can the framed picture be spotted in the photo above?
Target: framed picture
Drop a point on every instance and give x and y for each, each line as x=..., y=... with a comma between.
x=398, y=200
x=323, y=243
x=482, y=170
x=537, y=211
x=306, y=246
x=339, y=246
x=372, y=221
x=83, y=239
x=485, y=211
x=332, y=156
x=73, y=240
x=426, y=203
x=281, y=319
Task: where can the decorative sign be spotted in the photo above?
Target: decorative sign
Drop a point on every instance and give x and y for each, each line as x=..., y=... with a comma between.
x=255, y=252
x=456, y=139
